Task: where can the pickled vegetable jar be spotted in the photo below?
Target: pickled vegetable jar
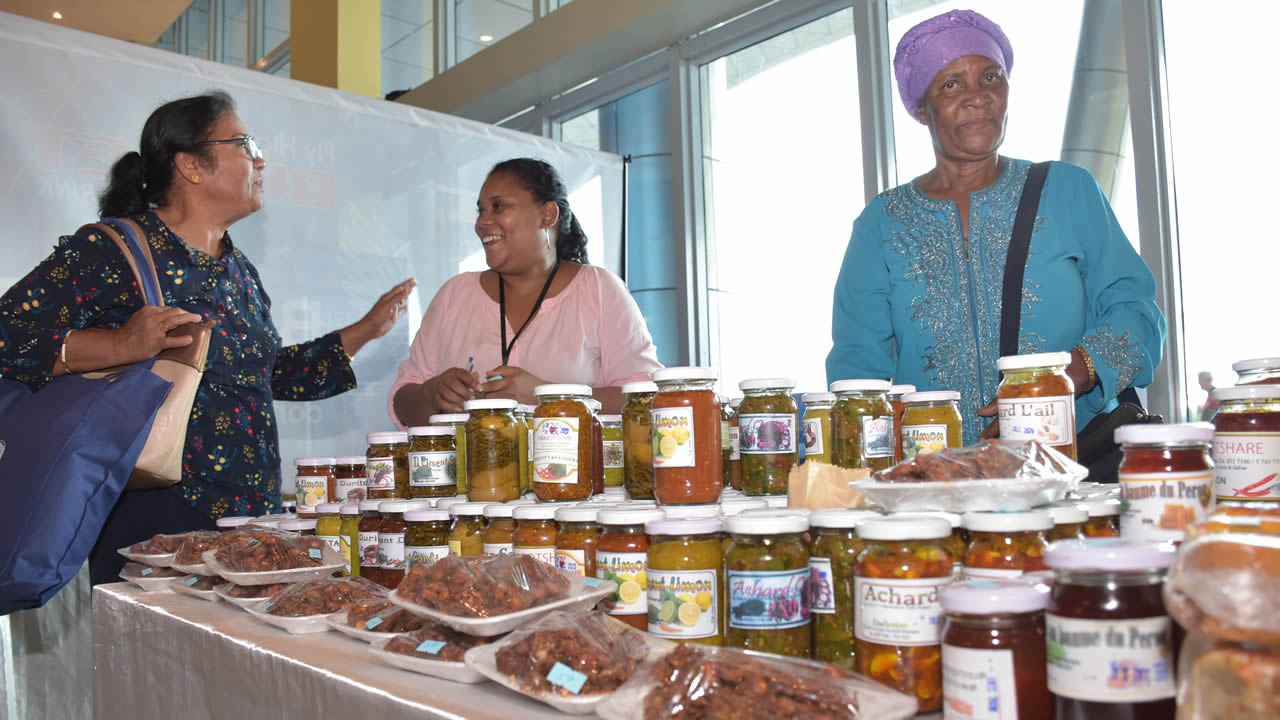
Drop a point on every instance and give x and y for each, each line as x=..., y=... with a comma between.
x=637, y=441
x=1246, y=443
x=370, y=521
x=329, y=525
x=1068, y=522
x=686, y=436
x=314, y=483
x=500, y=529
x=597, y=447
x=895, y=401
x=1005, y=544
x=832, y=560
x=993, y=648
x=1104, y=518
x=349, y=538
x=1257, y=370
x=768, y=583
x=862, y=425
x=816, y=430
x=576, y=539
x=1167, y=477
x=387, y=465
x=735, y=445
x=457, y=421
x=1037, y=400
x=524, y=437
x=898, y=617
x=930, y=422
x=614, y=453
x=433, y=461
x=426, y=537
x=466, y=533
x=562, y=443
x=536, y=532
x=684, y=580
x=726, y=414
x=493, y=470
x=622, y=556
x=391, y=540
x=350, y=480
x=767, y=435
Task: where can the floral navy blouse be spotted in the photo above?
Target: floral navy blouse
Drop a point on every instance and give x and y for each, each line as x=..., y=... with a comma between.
x=232, y=463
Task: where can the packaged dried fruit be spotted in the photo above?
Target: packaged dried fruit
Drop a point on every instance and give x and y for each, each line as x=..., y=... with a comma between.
x=571, y=654
x=380, y=615
x=320, y=597
x=483, y=586
x=436, y=642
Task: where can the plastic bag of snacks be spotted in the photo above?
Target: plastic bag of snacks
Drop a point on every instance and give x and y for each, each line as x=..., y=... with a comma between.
x=150, y=579
x=245, y=595
x=156, y=551
x=189, y=558
x=305, y=607
x=1221, y=680
x=483, y=586
x=261, y=559
x=199, y=586
x=434, y=650
x=370, y=620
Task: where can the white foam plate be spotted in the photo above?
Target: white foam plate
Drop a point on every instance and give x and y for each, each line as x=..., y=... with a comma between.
x=331, y=562
x=222, y=592
x=961, y=496
x=583, y=596
x=339, y=622
x=149, y=584
x=164, y=560
x=181, y=587
x=196, y=569
x=443, y=669
x=294, y=625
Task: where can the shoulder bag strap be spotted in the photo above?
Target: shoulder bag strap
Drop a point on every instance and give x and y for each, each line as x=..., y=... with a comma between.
x=1016, y=264
x=137, y=255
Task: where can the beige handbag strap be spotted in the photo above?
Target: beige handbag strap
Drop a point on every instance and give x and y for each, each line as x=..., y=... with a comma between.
x=139, y=233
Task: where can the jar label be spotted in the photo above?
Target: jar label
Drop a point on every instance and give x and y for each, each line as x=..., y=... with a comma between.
x=899, y=612
x=683, y=603
x=555, y=450
x=813, y=437
x=673, y=437
x=978, y=684
x=311, y=491
x=423, y=555
x=381, y=473
x=545, y=554
x=923, y=439
x=767, y=434
x=735, y=443
x=332, y=541
x=1051, y=420
x=344, y=549
x=391, y=550
x=822, y=590
x=433, y=468
x=369, y=549
x=350, y=490
x=529, y=445
x=613, y=457
x=1162, y=505
x=877, y=437
x=768, y=599
x=455, y=547
x=572, y=561
x=1247, y=465
x=1110, y=661
x=627, y=571
x=974, y=573
x=498, y=548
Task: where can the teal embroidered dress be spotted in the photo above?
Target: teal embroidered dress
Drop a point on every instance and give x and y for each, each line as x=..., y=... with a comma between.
x=913, y=306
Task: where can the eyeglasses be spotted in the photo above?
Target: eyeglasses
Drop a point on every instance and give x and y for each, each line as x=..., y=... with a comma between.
x=247, y=142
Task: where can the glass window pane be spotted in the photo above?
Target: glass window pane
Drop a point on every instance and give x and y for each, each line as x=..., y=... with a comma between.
x=408, y=43
x=275, y=24
x=235, y=32
x=482, y=22
x=583, y=130
x=198, y=29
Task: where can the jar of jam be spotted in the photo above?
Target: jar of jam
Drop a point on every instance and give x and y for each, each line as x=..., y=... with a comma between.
x=895, y=401
x=622, y=555
x=993, y=648
x=726, y=414
x=433, y=461
x=817, y=426
x=956, y=543
x=637, y=441
x=1037, y=400
x=686, y=436
x=1257, y=371
x=329, y=525
x=1246, y=443
x=930, y=422
x=391, y=540
x=862, y=425
x=576, y=539
x=370, y=522
x=350, y=480
x=387, y=465
x=466, y=532
x=301, y=526
x=314, y=483
x=457, y=421
x=1005, y=545
x=500, y=529
x=614, y=453
x=597, y=447
x=898, y=616
x=1111, y=646
x=832, y=559
x=1068, y=522
x=684, y=580
x=1104, y=517
x=563, y=443
x=493, y=471
x=349, y=538
x=536, y=532
x=767, y=435
x=735, y=445
x=1167, y=477
x=768, y=581
x=426, y=537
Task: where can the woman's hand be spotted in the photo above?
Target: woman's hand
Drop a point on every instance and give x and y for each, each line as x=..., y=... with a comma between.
x=451, y=388
x=380, y=318
x=145, y=333
x=513, y=383
x=992, y=431
x=1078, y=371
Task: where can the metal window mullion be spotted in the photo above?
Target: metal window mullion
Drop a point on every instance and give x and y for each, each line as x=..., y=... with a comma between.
x=215, y=30
x=875, y=101
x=755, y=27
x=688, y=209
x=443, y=25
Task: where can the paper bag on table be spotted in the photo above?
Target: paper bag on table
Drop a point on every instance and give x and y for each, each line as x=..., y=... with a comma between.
x=818, y=486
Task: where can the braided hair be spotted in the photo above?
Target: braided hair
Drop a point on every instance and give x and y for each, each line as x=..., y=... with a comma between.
x=544, y=183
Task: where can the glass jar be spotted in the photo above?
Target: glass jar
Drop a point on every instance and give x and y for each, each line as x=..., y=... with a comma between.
x=956, y=543
x=1257, y=371
x=562, y=443
x=637, y=441
x=993, y=648
x=493, y=472
x=367, y=547
x=817, y=426
x=1005, y=545
x=426, y=537
x=466, y=530
x=1246, y=443
x=536, y=532
x=622, y=556
x=499, y=529
x=576, y=539
x=726, y=414
x=898, y=616
x=350, y=480
x=862, y=425
x=301, y=526
x=433, y=461
x=1167, y=477
x=597, y=447
x=314, y=483
x=387, y=465
x=524, y=438
x=686, y=436
x=684, y=580
x=767, y=435
x=329, y=525
x=349, y=538
x=1104, y=518
x=735, y=445
x=391, y=540
x=614, y=454
x=1068, y=522
x=894, y=397
x=768, y=579
x=832, y=559
x=1037, y=400
x=1111, y=646
x=930, y=422
x=457, y=421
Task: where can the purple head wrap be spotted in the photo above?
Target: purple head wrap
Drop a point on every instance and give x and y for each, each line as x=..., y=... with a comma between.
x=939, y=41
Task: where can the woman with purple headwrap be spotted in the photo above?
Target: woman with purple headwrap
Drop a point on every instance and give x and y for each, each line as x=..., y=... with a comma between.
x=918, y=297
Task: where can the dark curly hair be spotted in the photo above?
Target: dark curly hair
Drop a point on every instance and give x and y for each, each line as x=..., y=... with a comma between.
x=544, y=183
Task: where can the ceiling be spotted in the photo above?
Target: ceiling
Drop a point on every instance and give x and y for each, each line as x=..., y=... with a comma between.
x=141, y=21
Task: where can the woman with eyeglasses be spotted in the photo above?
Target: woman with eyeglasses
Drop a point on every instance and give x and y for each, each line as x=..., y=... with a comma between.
x=196, y=173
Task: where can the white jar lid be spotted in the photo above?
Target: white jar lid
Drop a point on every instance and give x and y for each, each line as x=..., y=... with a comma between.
x=904, y=527
x=1109, y=554
x=644, y=386
x=901, y=389
x=397, y=505
x=953, y=519
x=842, y=386
x=672, y=374
x=686, y=512
x=594, y=405
x=780, y=383
x=539, y=511
x=1159, y=434
x=630, y=515
x=313, y=461
x=1028, y=521
x=578, y=513
x=1068, y=514
x=298, y=524
x=329, y=508
x=352, y=460
x=446, y=418
x=988, y=597
x=370, y=505
x=445, y=503
x=1248, y=392
x=931, y=396
x=766, y=522
x=266, y=523
x=611, y=420
x=1106, y=507
x=691, y=526
x=426, y=516
x=350, y=509
x=562, y=389
x=841, y=518
x=498, y=510
x=387, y=438
x=494, y=404
x=733, y=506
x=468, y=509
x=817, y=397
x=774, y=501
x=618, y=494
x=1034, y=360
x=1270, y=363
x=233, y=521
x=428, y=430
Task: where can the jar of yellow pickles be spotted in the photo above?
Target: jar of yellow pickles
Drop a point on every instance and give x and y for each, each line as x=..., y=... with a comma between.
x=862, y=425
x=457, y=421
x=614, y=461
x=1037, y=401
x=930, y=422
x=816, y=427
x=493, y=472
x=524, y=426
x=685, y=565
x=637, y=441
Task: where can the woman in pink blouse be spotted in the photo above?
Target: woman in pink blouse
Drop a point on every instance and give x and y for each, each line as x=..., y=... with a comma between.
x=540, y=314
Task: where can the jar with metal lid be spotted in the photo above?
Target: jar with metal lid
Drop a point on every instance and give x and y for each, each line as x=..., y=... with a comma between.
x=576, y=539
x=391, y=540
x=466, y=532
x=993, y=648
x=1112, y=648
x=833, y=556
x=457, y=421
x=684, y=571
x=930, y=422
x=302, y=526
x=768, y=580
x=349, y=538
x=1037, y=400
x=370, y=522
x=1104, y=518
x=614, y=454
x=350, y=480
x=314, y=483
x=231, y=522
x=1068, y=522
x=1167, y=477
x=816, y=426
x=499, y=529
x=726, y=414
x=1246, y=444
x=894, y=396
x=329, y=525
x=898, y=618
x=493, y=471
x=597, y=447
x=426, y=537
x=387, y=465
x=862, y=425
x=562, y=443
x=1257, y=371
x=622, y=555
x=1004, y=545
x=735, y=445
x=767, y=435
x=433, y=461
x=637, y=440
x=686, y=436
x=524, y=438
x=536, y=532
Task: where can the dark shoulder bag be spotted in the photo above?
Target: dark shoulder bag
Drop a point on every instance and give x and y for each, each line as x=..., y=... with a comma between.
x=1096, y=447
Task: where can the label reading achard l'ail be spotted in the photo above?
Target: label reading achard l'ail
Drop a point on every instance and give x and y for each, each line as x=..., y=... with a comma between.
x=899, y=612
x=433, y=468
x=1247, y=465
x=683, y=603
x=877, y=437
x=767, y=434
x=1050, y=420
x=768, y=599
x=1110, y=661
x=627, y=571
x=1162, y=505
x=673, y=441
x=555, y=450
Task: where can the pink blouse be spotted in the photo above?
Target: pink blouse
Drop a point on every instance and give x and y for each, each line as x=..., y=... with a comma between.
x=592, y=333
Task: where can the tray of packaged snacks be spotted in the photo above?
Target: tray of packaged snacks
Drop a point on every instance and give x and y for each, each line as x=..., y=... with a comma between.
x=189, y=558
x=199, y=586
x=246, y=595
x=433, y=650
x=305, y=607
x=156, y=551
x=371, y=620
x=150, y=579
x=570, y=661
x=992, y=475
x=494, y=595
x=265, y=559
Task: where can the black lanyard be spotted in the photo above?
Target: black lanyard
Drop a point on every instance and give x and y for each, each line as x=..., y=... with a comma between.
x=502, y=309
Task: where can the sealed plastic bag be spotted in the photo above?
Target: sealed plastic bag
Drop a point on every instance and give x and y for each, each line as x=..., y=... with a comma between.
x=1220, y=680
x=483, y=586
x=369, y=620
x=433, y=650
x=260, y=559
x=150, y=579
x=321, y=597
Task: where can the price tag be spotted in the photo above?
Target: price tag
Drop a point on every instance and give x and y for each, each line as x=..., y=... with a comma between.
x=372, y=622
x=147, y=571
x=591, y=582
x=192, y=580
x=265, y=606
x=313, y=552
x=431, y=646
x=567, y=678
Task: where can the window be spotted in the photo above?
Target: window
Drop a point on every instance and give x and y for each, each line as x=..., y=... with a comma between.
x=408, y=44
x=235, y=32
x=479, y=23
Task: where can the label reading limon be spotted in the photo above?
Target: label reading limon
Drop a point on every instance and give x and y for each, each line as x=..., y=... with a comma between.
x=923, y=439
x=627, y=571
x=673, y=441
x=311, y=491
x=682, y=603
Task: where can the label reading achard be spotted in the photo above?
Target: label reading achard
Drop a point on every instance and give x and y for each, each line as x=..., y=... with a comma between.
x=1162, y=505
x=433, y=468
x=899, y=612
x=555, y=450
x=978, y=684
x=627, y=571
x=1110, y=661
x=381, y=473
x=682, y=603
x=673, y=441
x=767, y=434
x=877, y=437
x=768, y=599
x=1051, y=420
